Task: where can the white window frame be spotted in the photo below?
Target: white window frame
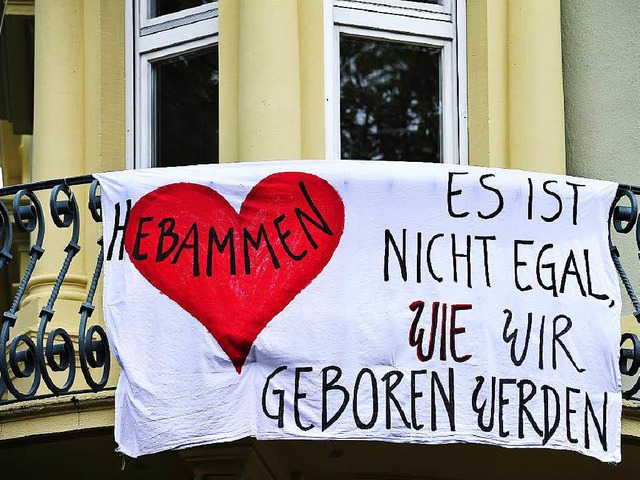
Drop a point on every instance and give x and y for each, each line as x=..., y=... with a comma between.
x=148, y=40
x=439, y=25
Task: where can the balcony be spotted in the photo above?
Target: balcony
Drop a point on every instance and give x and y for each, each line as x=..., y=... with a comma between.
x=55, y=354
x=49, y=354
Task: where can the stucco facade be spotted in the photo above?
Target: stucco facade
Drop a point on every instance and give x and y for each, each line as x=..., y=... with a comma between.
x=551, y=86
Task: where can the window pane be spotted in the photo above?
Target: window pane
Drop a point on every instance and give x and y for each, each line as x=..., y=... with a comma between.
x=163, y=7
x=186, y=109
x=389, y=100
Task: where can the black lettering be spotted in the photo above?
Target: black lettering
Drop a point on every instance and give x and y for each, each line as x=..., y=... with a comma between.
x=541, y=344
x=452, y=193
x=557, y=341
x=530, y=199
x=568, y=412
x=550, y=428
x=139, y=236
x=448, y=400
x=119, y=228
x=166, y=225
x=513, y=337
x=455, y=255
x=262, y=234
x=498, y=194
x=319, y=222
x=522, y=408
x=547, y=266
x=480, y=409
x=402, y=258
x=297, y=396
x=228, y=239
x=429, y=265
x=518, y=263
x=598, y=296
x=601, y=427
x=502, y=401
x=332, y=385
x=485, y=255
x=279, y=416
x=569, y=270
x=374, y=399
x=415, y=394
x=545, y=187
x=419, y=257
x=575, y=201
x=283, y=237
x=390, y=397
x=193, y=232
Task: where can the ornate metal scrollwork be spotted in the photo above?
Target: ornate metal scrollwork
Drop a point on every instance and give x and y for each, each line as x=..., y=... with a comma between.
x=53, y=349
x=6, y=231
x=624, y=219
x=59, y=356
x=93, y=345
x=29, y=218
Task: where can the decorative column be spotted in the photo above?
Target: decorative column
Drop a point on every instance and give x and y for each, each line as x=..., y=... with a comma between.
x=58, y=147
x=487, y=82
x=516, y=109
x=536, y=102
x=268, y=80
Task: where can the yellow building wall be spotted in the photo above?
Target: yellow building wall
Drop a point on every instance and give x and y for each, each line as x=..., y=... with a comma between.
x=79, y=128
x=516, y=110
x=271, y=80
x=271, y=107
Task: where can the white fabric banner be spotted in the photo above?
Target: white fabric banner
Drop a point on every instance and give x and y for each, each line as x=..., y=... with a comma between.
x=362, y=300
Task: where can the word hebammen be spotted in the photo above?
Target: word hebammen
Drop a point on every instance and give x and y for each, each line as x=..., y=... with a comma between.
x=166, y=240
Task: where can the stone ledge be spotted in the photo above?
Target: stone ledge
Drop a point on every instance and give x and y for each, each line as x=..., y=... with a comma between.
x=95, y=410
x=57, y=414
x=631, y=409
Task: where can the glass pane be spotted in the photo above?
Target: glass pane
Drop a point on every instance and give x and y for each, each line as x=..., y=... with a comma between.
x=186, y=109
x=389, y=100
x=163, y=7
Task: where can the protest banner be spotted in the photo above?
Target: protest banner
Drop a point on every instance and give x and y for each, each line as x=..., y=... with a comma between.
x=362, y=300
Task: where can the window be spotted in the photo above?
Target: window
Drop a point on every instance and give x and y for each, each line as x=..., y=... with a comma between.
x=397, y=89
x=172, y=83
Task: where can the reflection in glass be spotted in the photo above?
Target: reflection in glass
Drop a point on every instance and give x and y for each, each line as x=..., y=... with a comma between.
x=163, y=7
x=186, y=109
x=389, y=100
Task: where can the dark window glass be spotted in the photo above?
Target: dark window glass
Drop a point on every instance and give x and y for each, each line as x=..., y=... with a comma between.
x=163, y=7
x=389, y=100
x=16, y=72
x=186, y=109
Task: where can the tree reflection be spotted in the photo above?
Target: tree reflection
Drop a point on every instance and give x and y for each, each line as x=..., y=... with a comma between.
x=187, y=124
x=163, y=7
x=389, y=100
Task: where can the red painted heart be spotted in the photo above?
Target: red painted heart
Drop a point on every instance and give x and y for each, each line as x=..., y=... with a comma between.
x=235, y=272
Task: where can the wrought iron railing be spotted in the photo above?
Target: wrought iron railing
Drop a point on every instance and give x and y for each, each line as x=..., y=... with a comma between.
x=624, y=221
x=45, y=363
